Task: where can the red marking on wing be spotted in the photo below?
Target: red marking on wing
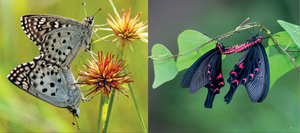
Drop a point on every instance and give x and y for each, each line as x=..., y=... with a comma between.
x=208, y=72
x=237, y=82
x=241, y=65
x=251, y=75
x=256, y=69
x=216, y=90
x=219, y=76
x=221, y=83
x=244, y=79
x=233, y=73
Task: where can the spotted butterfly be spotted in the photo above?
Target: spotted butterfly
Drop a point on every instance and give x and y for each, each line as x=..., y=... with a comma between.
x=59, y=39
x=48, y=84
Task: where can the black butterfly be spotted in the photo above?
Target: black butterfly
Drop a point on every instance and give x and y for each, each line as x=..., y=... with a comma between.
x=205, y=72
x=252, y=71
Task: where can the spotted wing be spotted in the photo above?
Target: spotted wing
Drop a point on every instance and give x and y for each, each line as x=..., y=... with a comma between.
x=205, y=72
x=59, y=39
x=252, y=71
x=47, y=84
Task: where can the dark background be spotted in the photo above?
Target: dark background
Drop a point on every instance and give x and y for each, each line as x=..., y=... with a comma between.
x=174, y=109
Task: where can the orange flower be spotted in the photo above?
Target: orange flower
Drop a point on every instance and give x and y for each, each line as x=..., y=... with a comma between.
x=127, y=29
x=105, y=74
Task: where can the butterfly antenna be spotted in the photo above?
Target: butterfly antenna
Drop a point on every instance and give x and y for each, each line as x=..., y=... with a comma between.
x=84, y=9
x=97, y=11
x=253, y=31
x=225, y=41
x=259, y=31
x=75, y=122
x=243, y=36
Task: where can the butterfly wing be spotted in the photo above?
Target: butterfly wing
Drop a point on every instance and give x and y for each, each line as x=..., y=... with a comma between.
x=47, y=84
x=188, y=76
x=252, y=70
x=206, y=71
x=216, y=81
x=258, y=88
x=59, y=39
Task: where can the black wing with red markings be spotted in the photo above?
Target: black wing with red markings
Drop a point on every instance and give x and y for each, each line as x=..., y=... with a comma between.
x=253, y=72
x=205, y=72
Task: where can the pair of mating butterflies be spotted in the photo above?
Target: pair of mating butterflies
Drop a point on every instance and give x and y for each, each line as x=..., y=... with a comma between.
x=48, y=76
x=252, y=71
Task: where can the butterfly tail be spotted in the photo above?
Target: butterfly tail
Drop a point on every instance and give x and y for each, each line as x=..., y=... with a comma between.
x=229, y=94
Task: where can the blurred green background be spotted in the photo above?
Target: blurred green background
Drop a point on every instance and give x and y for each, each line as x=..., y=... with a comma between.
x=21, y=112
x=174, y=109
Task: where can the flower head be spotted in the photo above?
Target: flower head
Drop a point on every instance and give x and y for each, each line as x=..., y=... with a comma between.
x=105, y=73
x=127, y=29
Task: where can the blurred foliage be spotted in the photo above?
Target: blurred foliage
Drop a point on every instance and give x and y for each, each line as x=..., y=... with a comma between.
x=21, y=112
x=174, y=109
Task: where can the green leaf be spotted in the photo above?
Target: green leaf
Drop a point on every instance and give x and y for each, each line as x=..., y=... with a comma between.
x=280, y=64
x=292, y=30
x=284, y=39
x=187, y=41
x=164, y=70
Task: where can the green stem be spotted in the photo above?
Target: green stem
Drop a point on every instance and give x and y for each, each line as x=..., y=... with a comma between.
x=134, y=100
x=137, y=109
x=100, y=113
x=115, y=10
x=111, y=101
x=239, y=28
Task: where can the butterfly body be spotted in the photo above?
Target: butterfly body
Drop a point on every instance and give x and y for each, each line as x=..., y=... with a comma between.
x=59, y=39
x=48, y=84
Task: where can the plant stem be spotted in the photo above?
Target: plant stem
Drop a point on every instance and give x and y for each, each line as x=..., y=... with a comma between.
x=137, y=109
x=115, y=10
x=111, y=101
x=100, y=113
x=239, y=28
x=113, y=91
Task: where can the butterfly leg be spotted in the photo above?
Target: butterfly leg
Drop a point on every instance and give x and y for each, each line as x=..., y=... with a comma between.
x=100, y=25
x=101, y=38
x=91, y=54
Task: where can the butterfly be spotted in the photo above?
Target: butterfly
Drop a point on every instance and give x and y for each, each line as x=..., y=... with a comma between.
x=59, y=39
x=205, y=72
x=48, y=84
x=252, y=71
